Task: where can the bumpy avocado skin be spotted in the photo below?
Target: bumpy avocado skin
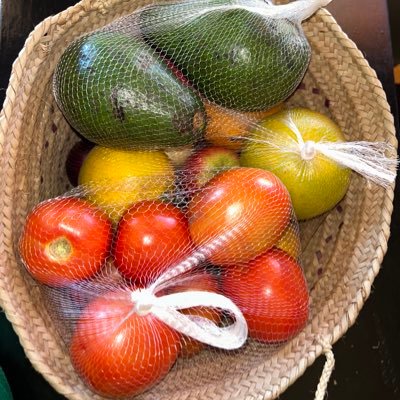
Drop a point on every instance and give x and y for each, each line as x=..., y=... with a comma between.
x=237, y=57
x=116, y=91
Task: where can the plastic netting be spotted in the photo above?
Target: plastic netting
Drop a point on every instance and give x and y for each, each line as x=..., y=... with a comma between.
x=179, y=248
x=244, y=55
x=199, y=268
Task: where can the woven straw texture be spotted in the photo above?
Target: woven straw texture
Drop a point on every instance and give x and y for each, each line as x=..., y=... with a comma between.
x=343, y=249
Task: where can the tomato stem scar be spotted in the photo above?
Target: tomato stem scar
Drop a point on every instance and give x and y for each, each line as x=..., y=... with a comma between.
x=59, y=249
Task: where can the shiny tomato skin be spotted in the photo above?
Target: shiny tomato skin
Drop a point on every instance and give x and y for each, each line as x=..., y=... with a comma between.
x=272, y=294
x=152, y=236
x=198, y=281
x=65, y=240
x=118, y=352
x=243, y=211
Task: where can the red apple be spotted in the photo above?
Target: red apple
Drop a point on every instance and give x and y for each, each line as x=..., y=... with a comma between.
x=203, y=165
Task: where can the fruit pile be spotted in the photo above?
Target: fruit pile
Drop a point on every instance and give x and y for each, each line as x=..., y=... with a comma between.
x=181, y=235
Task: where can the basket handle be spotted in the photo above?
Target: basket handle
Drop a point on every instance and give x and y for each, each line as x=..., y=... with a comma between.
x=327, y=370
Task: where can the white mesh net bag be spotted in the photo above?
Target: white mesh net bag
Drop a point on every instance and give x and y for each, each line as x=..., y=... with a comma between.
x=176, y=263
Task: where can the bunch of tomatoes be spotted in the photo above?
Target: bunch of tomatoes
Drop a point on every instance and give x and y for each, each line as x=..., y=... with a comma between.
x=243, y=216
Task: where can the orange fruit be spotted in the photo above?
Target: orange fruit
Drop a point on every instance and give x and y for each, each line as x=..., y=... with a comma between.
x=290, y=240
x=223, y=125
x=114, y=179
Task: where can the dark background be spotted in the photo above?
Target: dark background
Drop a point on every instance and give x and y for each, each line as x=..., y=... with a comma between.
x=368, y=356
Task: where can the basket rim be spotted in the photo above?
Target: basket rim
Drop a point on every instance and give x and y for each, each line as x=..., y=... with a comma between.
x=315, y=349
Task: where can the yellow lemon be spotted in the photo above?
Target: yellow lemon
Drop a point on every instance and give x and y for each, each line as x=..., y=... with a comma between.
x=285, y=144
x=224, y=125
x=114, y=179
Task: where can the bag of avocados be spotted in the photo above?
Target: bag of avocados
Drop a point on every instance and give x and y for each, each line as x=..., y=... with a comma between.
x=142, y=81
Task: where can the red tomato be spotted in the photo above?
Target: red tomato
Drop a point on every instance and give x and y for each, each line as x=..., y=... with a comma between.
x=65, y=240
x=201, y=281
x=152, y=236
x=272, y=294
x=118, y=352
x=243, y=211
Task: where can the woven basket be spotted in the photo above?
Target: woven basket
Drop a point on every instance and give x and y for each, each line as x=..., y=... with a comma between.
x=343, y=249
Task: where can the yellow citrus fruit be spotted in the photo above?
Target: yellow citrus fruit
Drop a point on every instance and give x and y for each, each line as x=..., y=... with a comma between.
x=223, y=125
x=315, y=183
x=114, y=179
x=290, y=240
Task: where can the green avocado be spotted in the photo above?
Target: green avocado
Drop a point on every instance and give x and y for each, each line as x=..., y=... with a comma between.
x=236, y=54
x=116, y=91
